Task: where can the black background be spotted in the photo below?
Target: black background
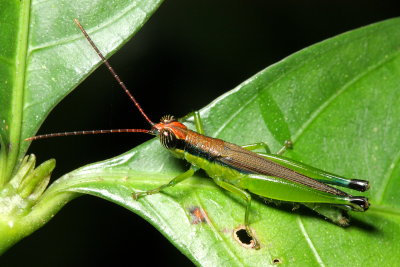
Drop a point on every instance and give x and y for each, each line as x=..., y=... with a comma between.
x=186, y=55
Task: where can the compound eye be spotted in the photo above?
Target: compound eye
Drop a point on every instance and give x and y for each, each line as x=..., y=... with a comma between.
x=168, y=119
x=168, y=139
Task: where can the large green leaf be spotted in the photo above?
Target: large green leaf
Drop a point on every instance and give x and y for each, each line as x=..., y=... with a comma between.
x=41, y=61
x=339, y=102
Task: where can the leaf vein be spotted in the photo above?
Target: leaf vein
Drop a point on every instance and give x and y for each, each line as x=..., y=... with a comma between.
x=309, y=242
x=386, y=178
x=234, y=115
x=340, y=91
x=216, y=232
x=78, y=36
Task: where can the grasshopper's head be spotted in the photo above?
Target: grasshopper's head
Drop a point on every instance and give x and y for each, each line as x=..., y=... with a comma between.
x=171, y=132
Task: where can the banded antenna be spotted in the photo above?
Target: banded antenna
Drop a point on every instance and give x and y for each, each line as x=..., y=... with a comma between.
x=120, y=82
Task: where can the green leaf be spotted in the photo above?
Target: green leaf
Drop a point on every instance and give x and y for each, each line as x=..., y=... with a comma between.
x=338, y=101
x=41, y=61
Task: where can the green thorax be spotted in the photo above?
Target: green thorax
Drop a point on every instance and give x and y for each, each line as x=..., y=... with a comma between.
x=213, y=169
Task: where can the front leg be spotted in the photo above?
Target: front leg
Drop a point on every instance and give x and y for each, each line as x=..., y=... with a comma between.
x=197, y=121
x=177, y=179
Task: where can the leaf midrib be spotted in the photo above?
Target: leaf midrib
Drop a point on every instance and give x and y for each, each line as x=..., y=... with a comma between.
x=91, y=31
x=18, y=88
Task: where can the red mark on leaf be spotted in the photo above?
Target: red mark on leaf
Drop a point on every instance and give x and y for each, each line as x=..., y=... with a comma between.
x=197, y=215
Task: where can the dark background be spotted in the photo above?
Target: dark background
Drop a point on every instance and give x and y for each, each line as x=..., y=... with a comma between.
x=187, y=54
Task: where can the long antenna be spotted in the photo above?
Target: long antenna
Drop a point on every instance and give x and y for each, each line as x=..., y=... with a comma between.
x=43, y=136
x=121, y=83
x=115, y=75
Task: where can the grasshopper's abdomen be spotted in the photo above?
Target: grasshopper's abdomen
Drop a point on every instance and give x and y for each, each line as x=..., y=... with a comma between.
x=248, y=170
x=247, y=162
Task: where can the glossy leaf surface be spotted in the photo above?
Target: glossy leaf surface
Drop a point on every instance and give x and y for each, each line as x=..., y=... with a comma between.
x=338, y=101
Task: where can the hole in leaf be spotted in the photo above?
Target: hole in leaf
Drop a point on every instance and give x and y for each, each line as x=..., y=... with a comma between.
x=276, y=261
x=243, y=236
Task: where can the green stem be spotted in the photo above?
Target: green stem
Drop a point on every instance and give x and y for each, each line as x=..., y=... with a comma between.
x=13, y=229
x=18, y=90
x=25, y=206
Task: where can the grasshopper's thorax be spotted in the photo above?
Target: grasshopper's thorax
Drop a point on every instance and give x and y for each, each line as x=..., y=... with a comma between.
x=177, y=138
x=200, y=150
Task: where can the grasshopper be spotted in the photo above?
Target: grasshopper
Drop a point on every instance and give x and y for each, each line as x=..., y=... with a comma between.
x=239, y=169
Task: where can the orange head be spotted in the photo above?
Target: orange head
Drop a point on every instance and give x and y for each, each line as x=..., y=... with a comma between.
x=171, y=132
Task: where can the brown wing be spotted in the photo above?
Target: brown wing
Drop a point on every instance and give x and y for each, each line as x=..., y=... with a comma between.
x=247, y=161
